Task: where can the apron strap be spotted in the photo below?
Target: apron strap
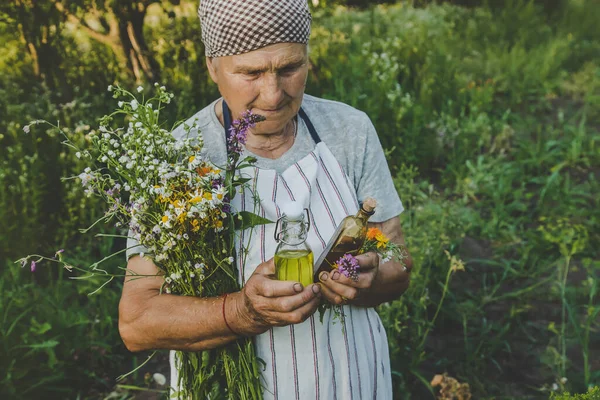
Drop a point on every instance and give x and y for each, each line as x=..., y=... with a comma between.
x=226, y=120
x=309, y=125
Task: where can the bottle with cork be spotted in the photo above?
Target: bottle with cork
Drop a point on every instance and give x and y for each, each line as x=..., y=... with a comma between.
x=348, y=238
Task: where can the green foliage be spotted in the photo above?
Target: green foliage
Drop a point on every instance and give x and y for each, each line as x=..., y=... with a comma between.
x=591, y=394
x=50, y=210
x=490, y=116
x=55, y=341
x=439, y=81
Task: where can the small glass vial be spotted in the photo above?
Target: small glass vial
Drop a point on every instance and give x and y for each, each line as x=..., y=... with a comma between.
x=293, y=257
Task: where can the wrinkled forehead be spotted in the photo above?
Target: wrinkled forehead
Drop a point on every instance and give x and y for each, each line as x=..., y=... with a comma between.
x=233, y=27
x=273, y=57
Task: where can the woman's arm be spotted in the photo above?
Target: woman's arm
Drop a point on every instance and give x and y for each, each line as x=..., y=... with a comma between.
x=150, y=320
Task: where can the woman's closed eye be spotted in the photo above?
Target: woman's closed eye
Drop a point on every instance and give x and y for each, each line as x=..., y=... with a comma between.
x=252, y=74
x=290, y=69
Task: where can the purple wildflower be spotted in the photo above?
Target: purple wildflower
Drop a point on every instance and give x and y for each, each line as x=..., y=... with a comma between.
x=33, y=266
x=226, y=207
x=114, y=206
x=217, y=183
x=58, y=253
x=114, y=190
x=239, y=130
x=348, y=266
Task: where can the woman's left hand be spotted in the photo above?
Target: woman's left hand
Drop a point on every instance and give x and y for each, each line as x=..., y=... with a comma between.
x=339, y=289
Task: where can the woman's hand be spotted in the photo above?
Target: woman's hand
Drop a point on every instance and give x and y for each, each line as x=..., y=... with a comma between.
x=265, y=302
x=339, y=289
x=376, y=283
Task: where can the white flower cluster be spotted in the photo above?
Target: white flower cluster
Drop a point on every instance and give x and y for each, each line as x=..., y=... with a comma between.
x=387, y=256
x=168, y=194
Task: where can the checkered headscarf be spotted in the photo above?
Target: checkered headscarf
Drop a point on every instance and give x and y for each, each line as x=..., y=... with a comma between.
x=232, y=27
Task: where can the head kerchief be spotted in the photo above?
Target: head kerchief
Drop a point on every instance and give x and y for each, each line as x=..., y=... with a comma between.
x=232, y=27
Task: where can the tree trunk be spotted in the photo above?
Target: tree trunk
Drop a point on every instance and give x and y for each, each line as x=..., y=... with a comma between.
x=42, y=38
x=123, y=32
x=140, y=61
x=136, y=34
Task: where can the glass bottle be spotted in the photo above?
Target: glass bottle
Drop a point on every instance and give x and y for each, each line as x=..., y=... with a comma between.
x=348, y=238
x=293, y=256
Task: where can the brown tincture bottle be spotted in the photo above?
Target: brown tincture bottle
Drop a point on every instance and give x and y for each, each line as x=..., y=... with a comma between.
x=348, y=237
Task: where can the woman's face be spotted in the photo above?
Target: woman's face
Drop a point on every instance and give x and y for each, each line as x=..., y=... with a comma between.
x=268, y=81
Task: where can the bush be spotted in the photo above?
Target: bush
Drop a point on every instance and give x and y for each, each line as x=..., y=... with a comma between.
x=56, y=341
x=592, y=394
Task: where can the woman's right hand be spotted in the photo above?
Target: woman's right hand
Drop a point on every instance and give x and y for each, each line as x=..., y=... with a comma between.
x=265, y=302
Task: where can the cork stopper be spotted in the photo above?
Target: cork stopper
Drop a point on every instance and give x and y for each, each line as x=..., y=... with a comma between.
x=369, y=205
x=293, y=211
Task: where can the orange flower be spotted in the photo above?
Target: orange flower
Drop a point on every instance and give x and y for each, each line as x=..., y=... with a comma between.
x=203, y=170
x=378, y=236
x=372, y=233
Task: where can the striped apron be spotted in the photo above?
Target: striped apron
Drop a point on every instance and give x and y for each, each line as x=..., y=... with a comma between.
x=331, y=360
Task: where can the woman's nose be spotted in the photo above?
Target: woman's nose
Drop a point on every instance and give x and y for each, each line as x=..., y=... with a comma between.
x=272, y=92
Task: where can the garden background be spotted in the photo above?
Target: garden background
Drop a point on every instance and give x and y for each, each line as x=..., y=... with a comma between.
x=490, y=116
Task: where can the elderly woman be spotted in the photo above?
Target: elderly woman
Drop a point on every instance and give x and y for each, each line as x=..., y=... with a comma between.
x=322, y=153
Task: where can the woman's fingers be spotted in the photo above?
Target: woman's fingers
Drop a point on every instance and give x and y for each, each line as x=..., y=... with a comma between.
x=368, y=260
x=291, y=303
x=331, y=296
x=272, y=288
x=296, y=316
x=338, y=289
x=281, y=302
x=263, y=283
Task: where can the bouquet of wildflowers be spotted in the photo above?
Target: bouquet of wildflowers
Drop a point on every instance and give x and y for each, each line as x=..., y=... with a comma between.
x=176, y=204
x=377, y=241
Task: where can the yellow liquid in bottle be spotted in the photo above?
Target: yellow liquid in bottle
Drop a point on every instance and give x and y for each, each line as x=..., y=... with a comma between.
x=295, y=265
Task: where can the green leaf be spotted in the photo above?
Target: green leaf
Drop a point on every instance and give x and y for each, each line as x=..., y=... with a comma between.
x=44, y=345
x=41, y=329
x=246, y=219
x=241, y=181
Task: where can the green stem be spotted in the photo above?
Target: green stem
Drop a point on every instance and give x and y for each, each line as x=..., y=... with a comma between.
x=439, y=307
x=517, y=293
x=586, y=340
x=130, y=387
x=120, y=378
x=563, y=339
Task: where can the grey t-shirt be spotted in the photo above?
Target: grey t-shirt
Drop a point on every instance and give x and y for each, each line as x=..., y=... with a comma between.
x=346, y=131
